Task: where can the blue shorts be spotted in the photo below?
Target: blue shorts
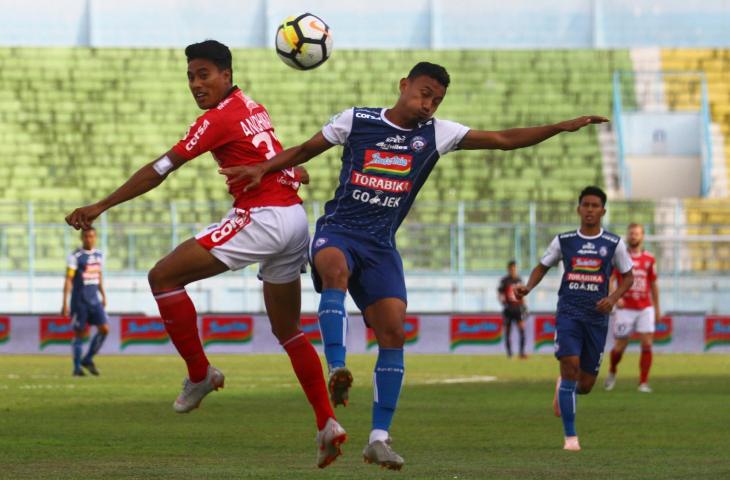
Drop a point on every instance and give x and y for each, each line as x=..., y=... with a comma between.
x=376, y=271
x=581, y=338
x=85, y=314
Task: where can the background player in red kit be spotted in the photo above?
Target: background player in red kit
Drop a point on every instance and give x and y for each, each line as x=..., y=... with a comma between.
x=266, y=226
x=637, y=310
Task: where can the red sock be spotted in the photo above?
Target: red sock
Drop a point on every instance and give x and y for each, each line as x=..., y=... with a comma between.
x=645, y=364
x=308, y=369
x=615, y=358
x=181, y=323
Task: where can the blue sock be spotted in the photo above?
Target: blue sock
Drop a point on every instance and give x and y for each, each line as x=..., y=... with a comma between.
x=387, y=380
x=76, y=349
x=333, y=325
x=566, y=398
x=96, y=342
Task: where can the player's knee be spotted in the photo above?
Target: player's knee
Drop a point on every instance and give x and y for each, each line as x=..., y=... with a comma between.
x=334, y=276
x=584, y=388
x=104, y=329
x=392, y=337
x=158, y=279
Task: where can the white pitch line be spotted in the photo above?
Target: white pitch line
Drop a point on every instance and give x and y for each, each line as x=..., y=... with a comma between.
x=448, y=381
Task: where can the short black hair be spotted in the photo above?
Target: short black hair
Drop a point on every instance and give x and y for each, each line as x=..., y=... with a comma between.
x=212, y=50
x=511, y=263
x=437, y=72
x=593, y=190
x=90, y=229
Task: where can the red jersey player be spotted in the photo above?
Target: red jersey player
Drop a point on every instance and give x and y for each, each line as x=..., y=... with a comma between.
x=267, y=226
x=637, y=310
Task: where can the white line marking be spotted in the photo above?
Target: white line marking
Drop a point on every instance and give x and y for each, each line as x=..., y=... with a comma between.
x=449, y=381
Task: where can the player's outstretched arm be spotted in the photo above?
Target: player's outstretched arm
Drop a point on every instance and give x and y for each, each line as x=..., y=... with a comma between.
x=523, y=137
x=285, y=159
x=142, y=181
x=605, y=305
x=535, y=277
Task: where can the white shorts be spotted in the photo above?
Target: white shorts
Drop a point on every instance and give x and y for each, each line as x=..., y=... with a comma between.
x=276, y=238
x=626, y=321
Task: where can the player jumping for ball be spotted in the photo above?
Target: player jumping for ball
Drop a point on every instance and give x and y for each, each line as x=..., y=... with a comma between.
x=388, y=154
x=589, y=256
x=268, y=227
x=637, y=311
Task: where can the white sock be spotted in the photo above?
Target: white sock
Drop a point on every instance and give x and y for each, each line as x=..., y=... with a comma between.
x=378, y=435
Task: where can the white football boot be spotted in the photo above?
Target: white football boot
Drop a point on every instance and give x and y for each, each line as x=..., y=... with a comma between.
x=193, y=393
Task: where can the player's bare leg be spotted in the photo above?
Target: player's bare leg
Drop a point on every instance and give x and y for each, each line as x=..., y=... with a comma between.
x=647, y=339
x=332, y=268
x=283, y=305
x=387, y=319
x=617, y=352
x=188, y=263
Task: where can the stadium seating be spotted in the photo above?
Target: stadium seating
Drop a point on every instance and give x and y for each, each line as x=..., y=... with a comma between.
x=705, y=216
x=75, y=122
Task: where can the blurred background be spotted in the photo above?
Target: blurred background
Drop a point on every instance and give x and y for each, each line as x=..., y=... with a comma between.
x=90, y=90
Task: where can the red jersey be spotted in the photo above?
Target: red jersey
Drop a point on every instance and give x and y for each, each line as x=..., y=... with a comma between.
x=238, y=131
x=638, y=297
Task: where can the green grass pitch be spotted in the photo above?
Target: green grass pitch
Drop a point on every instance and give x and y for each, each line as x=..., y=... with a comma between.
x=121, y=424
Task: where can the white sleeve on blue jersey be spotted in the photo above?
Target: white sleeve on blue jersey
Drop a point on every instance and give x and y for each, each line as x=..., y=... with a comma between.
x=553, y=254
x=72, y=262
x=621, y=258
x=339, y=127
x=448, y=135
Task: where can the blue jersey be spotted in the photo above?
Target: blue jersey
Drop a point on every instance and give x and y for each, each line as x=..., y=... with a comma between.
x=383, y=168
x=86, y=266
x=588, y=263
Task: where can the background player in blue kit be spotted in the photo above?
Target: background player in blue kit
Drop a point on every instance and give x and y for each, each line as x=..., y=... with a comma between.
x=387, y=156
x=88, y=299
x=589, y=256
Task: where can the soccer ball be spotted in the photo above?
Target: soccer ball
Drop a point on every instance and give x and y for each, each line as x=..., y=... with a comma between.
x=304, y=42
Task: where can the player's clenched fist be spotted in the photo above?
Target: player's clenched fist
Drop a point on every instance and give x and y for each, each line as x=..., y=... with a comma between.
x=580, y=122
x=83, y=217
x=521, y=291
x=605, y=305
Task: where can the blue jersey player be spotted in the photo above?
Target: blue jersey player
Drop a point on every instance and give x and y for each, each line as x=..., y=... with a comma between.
x=83, y=281
x=387, y=155
x=589, y=256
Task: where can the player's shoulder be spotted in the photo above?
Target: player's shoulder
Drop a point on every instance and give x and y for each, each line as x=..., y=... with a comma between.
x=610, y=237
x=77, y=252
x=648, y=255
x=567, y=235
x=366, y=113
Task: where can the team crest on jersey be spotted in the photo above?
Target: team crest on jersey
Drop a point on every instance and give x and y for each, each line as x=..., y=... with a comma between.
x=418, y=143
x=603, y=251
x=387, y=162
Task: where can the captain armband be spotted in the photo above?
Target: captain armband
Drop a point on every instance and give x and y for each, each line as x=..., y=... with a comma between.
x=163, y=165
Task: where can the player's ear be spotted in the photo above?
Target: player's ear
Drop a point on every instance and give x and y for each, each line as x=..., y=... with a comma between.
x=403, y=85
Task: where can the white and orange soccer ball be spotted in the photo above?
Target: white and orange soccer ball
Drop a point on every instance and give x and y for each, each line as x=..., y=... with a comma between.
x=304, y=42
